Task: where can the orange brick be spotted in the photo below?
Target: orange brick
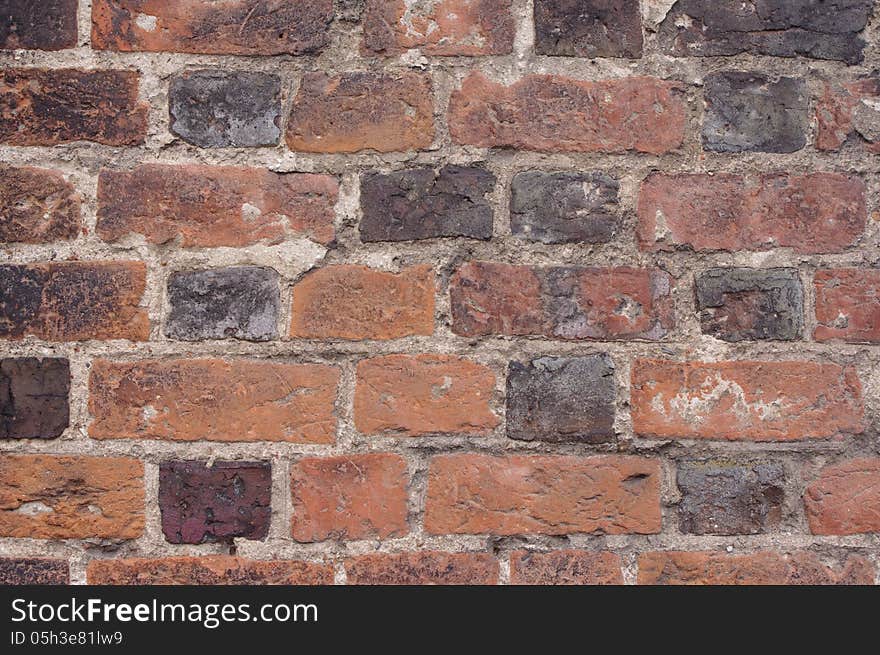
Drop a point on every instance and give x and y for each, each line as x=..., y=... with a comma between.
x=211, y=570
x=565, y=567
x=845, y=498
x=423, y=568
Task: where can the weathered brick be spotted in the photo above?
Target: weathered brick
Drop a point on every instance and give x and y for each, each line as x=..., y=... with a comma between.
x=560, y=302
x=232, y=27
x=226, y=109
x=565, y=567
x=564, y=207
x=349, y=497
x=542, y=494
x=849, y=110
x=746, y=304
x=728, y=497
x=761, y=568
x=848, y=305
x=34, y=397
x=33, y=570
x=548, y=113
x=745, y=400
x=71, y=497
x=202, y=503
x=210, y=570
x=749, y=112
x=41, y=107
x=43, y=25
x=239, y=302
x=356, y=302
x=423, y=394
x=780, y=28
x=588, y=28
x=845, y=498
x=425, y=203
x=37, y=206
x=214, y=206
x=422, y=568
x=73, y=301
x=366, y=110
x=562, y=399
x=212, y=399
x=439, y=27
x=813, y=213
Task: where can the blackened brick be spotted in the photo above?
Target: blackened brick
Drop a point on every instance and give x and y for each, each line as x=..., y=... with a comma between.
x=34, y=398
x=33, y=570
x=37, y=25
x=588, y=28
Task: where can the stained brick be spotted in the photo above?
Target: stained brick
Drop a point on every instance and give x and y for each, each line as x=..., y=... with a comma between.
x=37, y=206
x=849, y=111
x=848, y=305
x=33, y=570
x=43, y=25
x=34, y=397
x=565, y=567
x=210, y=570
x=588, y=28
x=422, y=568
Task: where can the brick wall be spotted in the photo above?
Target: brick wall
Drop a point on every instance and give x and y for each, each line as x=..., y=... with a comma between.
x=490, y=291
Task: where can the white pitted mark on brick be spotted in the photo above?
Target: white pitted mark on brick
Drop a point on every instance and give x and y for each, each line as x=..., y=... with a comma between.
x=661, y=229
x=33, y=508
x=149, y=413
x=438, y=390
x=628, y=308
x=146, y=22
x=250, y=213
x=418, y=9
x=684, y=22
x=698, y=408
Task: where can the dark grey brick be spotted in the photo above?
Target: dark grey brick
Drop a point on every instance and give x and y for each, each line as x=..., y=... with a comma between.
x=588, y=28
x=33, y=570
x=34, y=401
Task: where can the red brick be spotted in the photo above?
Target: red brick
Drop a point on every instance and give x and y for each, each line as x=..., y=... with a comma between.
x=37, y=206
x=423, y=394
x=356, y=302
x=211, y=206
x=745, y=400
x=846, y=110
x=762, y=568
x=549, y=113
x=212, y=399
x=848, y=305
x=560, y=302
x=845, y=498
x=71, y=497
x=542, y=494
x=366, y=110
x=210, y=570
x=565, y=567
x=349, y=497
x=423, y=568
x=41, y=107
x=814, y=213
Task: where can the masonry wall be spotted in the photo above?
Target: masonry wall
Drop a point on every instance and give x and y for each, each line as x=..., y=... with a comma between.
x=495, y=292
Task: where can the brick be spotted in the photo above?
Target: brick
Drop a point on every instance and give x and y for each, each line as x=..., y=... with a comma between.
x=564, y=207
x=232, y=27
x=761, y=568
x=588, y=28
x=71, y=497
x=366, y=110
x=34, y=397
x=33, y=570
x=202, y=503
x=749, y=112
x=847, y=112
x=226, y=109
x=240, y=302
x=560, y=302
x=210, y=570
x=813, y=213
x=213, y=400
x=745, y=400
x=848, y=305
x=37, y=206
x=41, y=107
x=548, y=113
x=562, y=399
x=422, y=568
x=425, y=203
x=542, y=494
x=349, y=497
x=750, y=304
x=215, y=206
x=845, y=498
x=356, y=302
x=779, y=28
x=44, y=25
x=423, y=394
x=728, y=497
x=439, y=27
x=73, y=301
x=565, y=567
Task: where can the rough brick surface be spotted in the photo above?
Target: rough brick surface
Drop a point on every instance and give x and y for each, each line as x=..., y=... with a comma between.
x=427, y=567
x=212, y=399
x=71, y=497
x=423, y=394
x=43, y=25
x=849, y=111
x=591, y=28
x=202, y=503
x=32, y=570
x=542, y=494
x=211, y=570
x=34, y=397
x=745, y=400
x=848, y=305
x=845, y=498
x=565, y=567
x=37, y=206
